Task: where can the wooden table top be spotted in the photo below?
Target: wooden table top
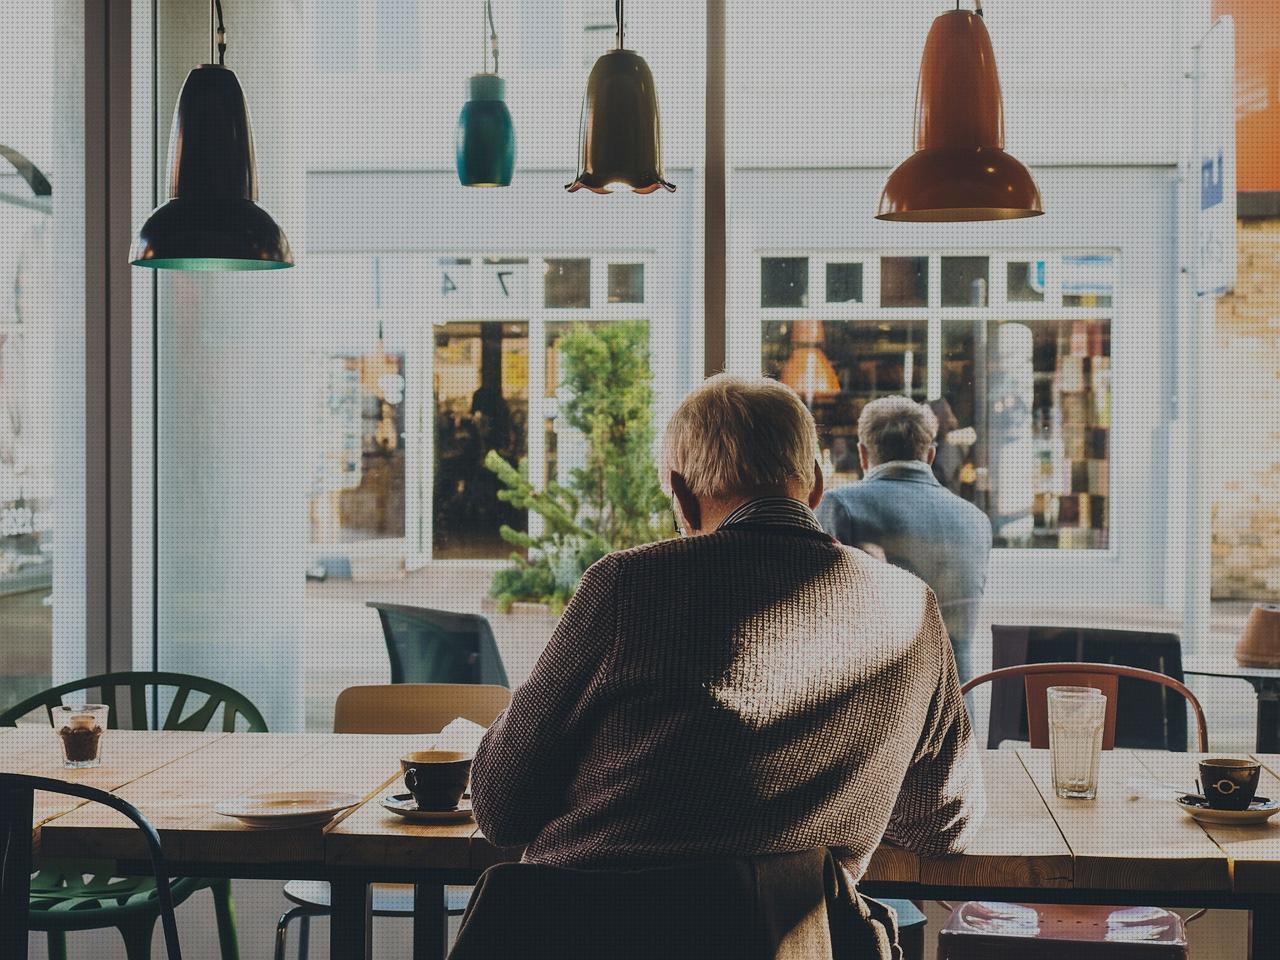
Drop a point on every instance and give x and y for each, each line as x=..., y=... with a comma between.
x=1131, y=838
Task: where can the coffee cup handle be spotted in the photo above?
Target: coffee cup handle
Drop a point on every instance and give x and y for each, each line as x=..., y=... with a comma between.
x=411, y=779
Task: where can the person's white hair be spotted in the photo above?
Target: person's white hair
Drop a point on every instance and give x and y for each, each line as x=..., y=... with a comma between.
x=733, y=436
x=896, y=428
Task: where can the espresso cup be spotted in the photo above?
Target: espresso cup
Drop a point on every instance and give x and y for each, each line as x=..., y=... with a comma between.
x=1229, y=784
x=436, y=778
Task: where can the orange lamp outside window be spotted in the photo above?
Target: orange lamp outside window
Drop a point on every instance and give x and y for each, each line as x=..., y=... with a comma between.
x=808, y=371
x=960, y=171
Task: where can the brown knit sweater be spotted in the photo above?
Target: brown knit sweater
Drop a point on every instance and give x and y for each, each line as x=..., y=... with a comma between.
x=762, y=689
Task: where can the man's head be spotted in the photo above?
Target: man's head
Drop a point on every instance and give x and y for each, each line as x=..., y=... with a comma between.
x=896, y=428
x=732, y=440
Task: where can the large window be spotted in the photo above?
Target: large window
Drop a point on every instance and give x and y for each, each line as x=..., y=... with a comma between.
x=1012, y=352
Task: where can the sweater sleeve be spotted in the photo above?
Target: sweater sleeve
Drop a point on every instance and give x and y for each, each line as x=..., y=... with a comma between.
x=941, y=799
x=526, y=760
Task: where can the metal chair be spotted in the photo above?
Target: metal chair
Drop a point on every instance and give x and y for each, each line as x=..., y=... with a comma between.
x=391, y=709
x=1019, y=931
x=61, y=899
x=436, y=646
x=18, y=898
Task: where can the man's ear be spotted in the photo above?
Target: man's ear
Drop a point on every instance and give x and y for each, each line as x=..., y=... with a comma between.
x=931, y=454
x=863, y=457
x=819, y=485
x=689, y=505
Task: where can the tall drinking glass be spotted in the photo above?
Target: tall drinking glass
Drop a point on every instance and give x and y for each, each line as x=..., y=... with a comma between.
x=1076, y=719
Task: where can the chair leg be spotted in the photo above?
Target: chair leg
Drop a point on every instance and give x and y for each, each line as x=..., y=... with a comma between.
x=137, y=938
x=304, y=937
x=57, y=945
x=225, y=913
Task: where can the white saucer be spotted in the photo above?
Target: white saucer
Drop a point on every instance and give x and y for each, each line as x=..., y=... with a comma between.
x=288, y=808
x=402, y=805
x=1260, y=811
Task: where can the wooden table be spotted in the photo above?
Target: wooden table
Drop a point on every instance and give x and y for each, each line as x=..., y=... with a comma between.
x=1131, y=846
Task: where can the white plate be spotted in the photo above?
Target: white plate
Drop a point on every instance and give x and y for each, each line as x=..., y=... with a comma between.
x=402, y=805
x=1260, y=811
x=288, y=808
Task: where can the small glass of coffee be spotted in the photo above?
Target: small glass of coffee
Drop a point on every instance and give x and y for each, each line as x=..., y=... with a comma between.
x=79, y=729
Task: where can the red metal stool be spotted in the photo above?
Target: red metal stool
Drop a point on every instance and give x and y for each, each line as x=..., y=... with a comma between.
x=980, y=930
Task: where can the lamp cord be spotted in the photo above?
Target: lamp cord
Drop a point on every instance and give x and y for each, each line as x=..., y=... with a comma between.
x=977, y=4
x=221, y=34
x=617, y=13
x=492, y=38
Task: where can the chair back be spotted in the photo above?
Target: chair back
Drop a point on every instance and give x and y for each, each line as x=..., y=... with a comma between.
x=758, y=908
x=416, y=707
x=144, y=690
x=1148, y=717
x=1039, y=677
x=17, y=802
x=435, y=646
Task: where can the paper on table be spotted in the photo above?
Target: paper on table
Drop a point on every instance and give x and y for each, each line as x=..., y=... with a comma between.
x=461, y=734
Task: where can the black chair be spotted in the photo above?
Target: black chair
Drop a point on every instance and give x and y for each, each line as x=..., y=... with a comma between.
x=17, y=802
x=1150, y=717
x=435, y=646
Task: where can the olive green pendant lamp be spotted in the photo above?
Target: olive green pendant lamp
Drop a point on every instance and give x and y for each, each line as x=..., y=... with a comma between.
x=960, y=171
x=621, y=137
x=212, y=220
x=486, y=144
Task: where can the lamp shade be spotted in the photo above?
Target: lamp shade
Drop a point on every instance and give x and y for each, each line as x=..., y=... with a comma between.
x=211, y=220
x=1259, y=645
x=960, y=171
x=486, y=146
x=620, y=131
x=808, y=371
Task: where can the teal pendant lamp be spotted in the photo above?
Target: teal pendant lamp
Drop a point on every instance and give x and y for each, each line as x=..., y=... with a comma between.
x=212, y=220
x=620, y=133
x=486, y=146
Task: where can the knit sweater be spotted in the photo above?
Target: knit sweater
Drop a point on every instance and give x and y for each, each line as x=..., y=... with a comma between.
x=761, y=689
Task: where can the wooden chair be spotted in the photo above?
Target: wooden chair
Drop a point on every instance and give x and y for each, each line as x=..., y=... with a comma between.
x=1018, y=931
x=436, y=646
x=61, y=899
x=18, y=900
x=400, y=708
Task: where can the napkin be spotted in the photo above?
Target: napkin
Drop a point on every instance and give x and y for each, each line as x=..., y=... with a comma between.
x=461, y=734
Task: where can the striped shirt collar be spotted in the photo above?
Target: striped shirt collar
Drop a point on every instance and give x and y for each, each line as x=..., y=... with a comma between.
x=773, y=510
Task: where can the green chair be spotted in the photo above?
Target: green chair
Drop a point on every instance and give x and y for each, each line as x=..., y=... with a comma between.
x=61, y=898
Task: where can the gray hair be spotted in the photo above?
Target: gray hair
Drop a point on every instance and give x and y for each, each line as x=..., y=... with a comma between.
x=896, y=428
x=733, y=436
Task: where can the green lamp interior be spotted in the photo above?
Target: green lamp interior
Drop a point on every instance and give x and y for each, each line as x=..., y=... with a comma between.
x=192, y=264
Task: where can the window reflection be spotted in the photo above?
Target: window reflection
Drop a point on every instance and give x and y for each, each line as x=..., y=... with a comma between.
x=784, y=282
x=964, y=281
x=837, y=367
x=904, y=281
x=481, y=404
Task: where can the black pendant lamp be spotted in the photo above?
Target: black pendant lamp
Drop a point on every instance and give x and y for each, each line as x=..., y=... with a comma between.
x=960, y=170
x=212, y=220
x=620, y=131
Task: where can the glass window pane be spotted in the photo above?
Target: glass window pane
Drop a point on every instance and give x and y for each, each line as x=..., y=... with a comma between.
x=844, y=283
x=399, y=40
x=567, y=284
x=784, y=281
x=481, y=404
x=1088, y=281
x=904, y=281
x=541, y=39
x=964, y=281
x=335, y=36
x=626, y=283
x=1026, y=281
x=837, y=367
x=1026, y=434
x=42, y=357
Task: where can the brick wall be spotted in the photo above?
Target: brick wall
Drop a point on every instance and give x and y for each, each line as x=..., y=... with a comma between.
x=1246, y=378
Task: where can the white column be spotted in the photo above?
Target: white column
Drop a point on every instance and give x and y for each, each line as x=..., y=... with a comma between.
x=232, y=494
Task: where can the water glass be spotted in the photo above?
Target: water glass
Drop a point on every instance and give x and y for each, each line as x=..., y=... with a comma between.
x=1077, y=716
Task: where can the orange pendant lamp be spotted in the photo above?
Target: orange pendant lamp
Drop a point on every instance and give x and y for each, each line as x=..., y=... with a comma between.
x=959, y=171
x=808, y=371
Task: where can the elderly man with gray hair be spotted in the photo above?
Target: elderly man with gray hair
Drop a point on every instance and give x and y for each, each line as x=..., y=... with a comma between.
x=751, y=688
x=900, y=511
